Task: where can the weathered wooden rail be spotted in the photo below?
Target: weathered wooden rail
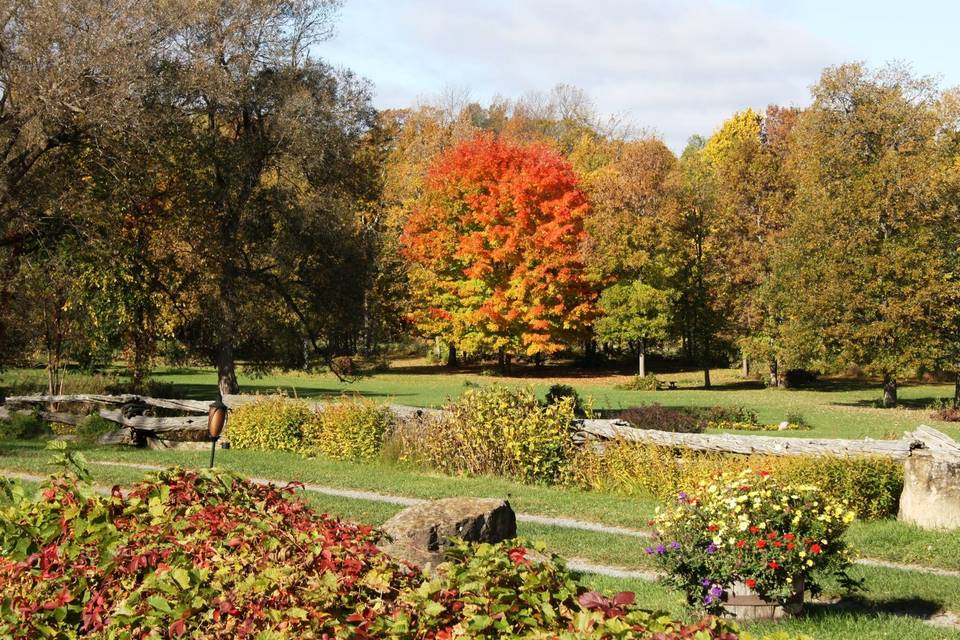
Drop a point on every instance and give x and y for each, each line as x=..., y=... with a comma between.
x=132, y=414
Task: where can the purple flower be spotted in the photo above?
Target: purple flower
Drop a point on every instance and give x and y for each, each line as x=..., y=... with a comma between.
x=716, y=591
x=705, y=583
x=661, y=549
x=682, y=496
x=648, y=550
x=675, y=546
x=708, y=599
x=712, y=548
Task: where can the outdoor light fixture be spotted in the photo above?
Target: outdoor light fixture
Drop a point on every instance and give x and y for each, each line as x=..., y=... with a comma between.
x=216, y=419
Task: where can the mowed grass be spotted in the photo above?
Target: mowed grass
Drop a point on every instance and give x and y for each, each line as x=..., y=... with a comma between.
x=892, y=604
x=835, y=408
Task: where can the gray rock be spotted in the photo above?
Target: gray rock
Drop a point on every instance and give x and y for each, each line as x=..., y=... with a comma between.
x=931, y=490
x=420, y=534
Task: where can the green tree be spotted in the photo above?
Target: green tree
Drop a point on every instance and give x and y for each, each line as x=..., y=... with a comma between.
x=635, y=314
x=859, y=274
x=691, y=245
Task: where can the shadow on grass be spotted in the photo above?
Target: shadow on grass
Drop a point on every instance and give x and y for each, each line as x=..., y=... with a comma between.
x=208, y=391
x=919, y=608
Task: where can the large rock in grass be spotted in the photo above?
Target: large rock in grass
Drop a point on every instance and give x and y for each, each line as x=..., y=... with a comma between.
x=931, y=490
x=420, y=534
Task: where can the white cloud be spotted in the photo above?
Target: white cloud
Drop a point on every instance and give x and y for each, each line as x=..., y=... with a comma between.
x=679, y=67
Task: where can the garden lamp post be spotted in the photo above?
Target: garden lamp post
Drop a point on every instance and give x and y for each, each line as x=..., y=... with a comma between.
x=216, y=419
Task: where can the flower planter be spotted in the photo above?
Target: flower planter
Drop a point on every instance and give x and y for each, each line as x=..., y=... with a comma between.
x=743, y=603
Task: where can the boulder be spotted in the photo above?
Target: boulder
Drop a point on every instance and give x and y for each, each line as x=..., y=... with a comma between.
x=420, y=534
x=931, y=490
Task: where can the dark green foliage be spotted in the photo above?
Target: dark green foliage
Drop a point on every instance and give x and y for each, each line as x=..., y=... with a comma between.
x=559, y=392
x=23, y=426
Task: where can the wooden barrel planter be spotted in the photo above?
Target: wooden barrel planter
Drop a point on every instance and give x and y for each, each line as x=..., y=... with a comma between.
x=743, y=603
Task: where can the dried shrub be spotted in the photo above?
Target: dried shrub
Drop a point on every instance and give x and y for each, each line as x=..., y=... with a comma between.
x=660, y=418
x=947, y=414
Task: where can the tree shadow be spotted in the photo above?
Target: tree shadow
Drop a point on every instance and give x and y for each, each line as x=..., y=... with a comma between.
x=208, y=391
x=924, y=402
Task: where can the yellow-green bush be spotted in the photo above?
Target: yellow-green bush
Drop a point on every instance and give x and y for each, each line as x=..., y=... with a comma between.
x=504, y=432
x=275, y=422
x=347, y=430
x=870, y=485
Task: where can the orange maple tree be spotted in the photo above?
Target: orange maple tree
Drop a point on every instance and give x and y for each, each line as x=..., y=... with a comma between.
x=495, y=250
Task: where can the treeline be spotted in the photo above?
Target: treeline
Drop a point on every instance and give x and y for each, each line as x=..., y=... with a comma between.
x=184, y=181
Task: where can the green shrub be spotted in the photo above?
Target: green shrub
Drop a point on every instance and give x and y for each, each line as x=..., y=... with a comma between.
x=558, y=392
x=92, y=427
x=736, y=413
x=347, y=430
x=23, y=426
x=660, y=418
x=273, y=422
x=648, y=382
x=870, y=485
x=503, y=432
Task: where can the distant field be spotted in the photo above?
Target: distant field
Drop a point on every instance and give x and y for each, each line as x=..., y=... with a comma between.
x=836, y=408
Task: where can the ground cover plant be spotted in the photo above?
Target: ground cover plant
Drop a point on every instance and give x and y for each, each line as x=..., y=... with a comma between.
x=208, y=554
x=891, y=602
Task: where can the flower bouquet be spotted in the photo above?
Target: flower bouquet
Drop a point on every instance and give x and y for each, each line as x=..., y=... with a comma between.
x=748, y=535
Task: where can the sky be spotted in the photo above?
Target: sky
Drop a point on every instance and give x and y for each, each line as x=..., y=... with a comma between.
x=671, y=67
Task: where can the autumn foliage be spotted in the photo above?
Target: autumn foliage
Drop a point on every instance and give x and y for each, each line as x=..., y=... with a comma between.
x=495, y=247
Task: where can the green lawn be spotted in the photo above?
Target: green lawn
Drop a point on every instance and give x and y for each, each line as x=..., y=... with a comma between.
x=889, y=606
x=840, y=408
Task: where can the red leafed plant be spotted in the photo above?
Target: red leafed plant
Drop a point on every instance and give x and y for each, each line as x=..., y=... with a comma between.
x=208, y=555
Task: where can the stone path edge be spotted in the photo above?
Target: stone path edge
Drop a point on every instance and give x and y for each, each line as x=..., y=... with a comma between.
x=576, y=564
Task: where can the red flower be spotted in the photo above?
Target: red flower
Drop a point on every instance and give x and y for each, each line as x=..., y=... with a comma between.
x=712, y=528
x=815, y=549
x=777, y=544
x=744, y=488
x=761, y=544
x=764, y=474
x=790, y=546
x=773, y=565
x=754, y=530
x=789, y=537
x=751, y=583
x=772, y=535
x=518, y=555
x=741, y=544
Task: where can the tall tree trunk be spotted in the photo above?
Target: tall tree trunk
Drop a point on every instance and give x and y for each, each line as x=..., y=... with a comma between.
x=227, y=371
x=889, y=391
x=642, y=360
x=706, y=362
x=956, y=392
x=452, y=356
x=745, y=364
